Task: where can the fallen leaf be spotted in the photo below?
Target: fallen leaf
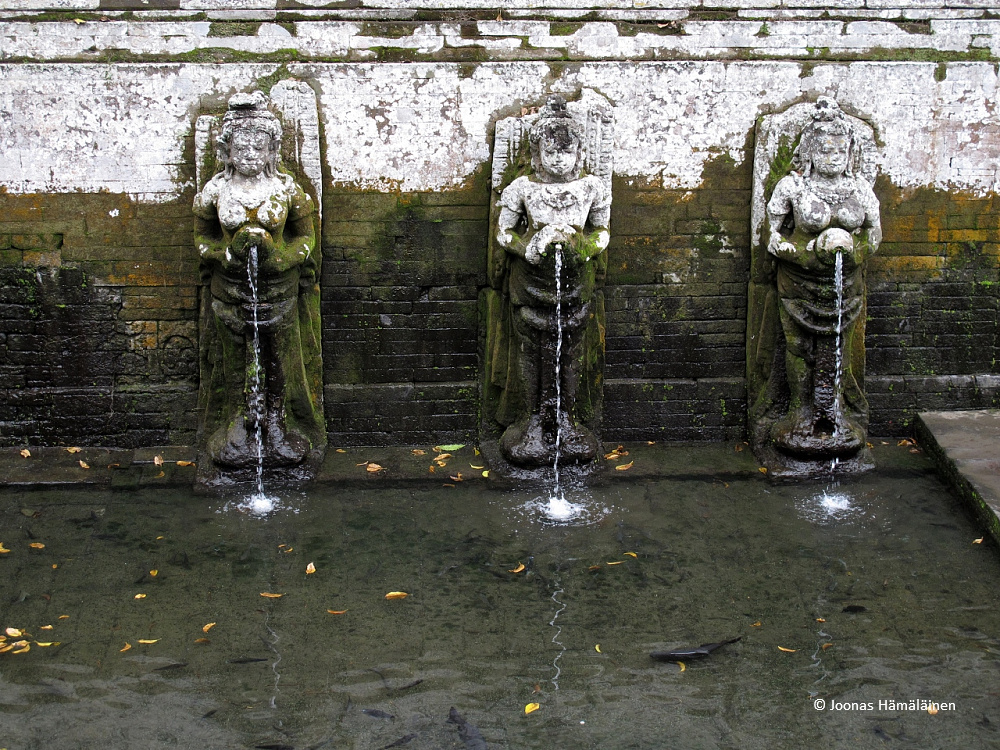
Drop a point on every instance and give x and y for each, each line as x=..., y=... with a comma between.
x=373, y=468
x=206, y=628
x=54, y=566
x=518, y=569
x=341, y=450
x=158, y=460
x=787, y=650
x=624, y=467
x=310, y=569
x=45, y=627
x=631, y=554
x=148, y=641
x=974, y=541
x=476, y=450
x=139, y=596
x=616, y=562
x=448, y=485
x=74, y=449
x=13, y=632
x=477, y=468
x=289, y=549
x=825, y=646
x=63, y=617
x=486, y=473
x=931, y=709
x=396, y=595
x=531, y=708
x=160, y=475
x=47, y=643
x=453, y=447
x=456, y=478
x=611, y=456
x=5, y=649
x=594, y=567
x=3, y=550
x=537, y=688
x=442, y=457
x=363, y=463
x=418, y=452
x=336, y=611
x=23, y=650
x=126, y=648
x=202, y=640
x=430, y=469
x=25, y=453
x=185, y=463
x=597, y=648
x=268, y=595
x=154, y=572
x=756, y=624
x=84, y=464
x=159, y=538
x=681, y=665
x=738, y=448
x=37, y=545
x=280, y=546
x=820, y=619
x=762, y=470
x=78, y=21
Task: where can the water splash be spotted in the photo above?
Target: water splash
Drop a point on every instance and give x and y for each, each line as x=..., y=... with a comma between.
x=829, y=506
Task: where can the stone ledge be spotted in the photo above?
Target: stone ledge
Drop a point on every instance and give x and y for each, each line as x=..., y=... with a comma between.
x=964, y=445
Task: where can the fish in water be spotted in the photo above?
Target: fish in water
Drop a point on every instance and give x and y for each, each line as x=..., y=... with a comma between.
x=679, y=654
x=377, y=713
x=401, y=741
x=246, y=660
x=468, y=732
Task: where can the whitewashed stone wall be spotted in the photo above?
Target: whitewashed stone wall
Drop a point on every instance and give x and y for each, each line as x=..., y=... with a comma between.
x=425, y=127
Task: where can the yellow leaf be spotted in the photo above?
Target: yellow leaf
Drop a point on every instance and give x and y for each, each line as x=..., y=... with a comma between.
x=84, y=464
x=47, y=644
x=158, y=460
x=363, y=463
x=616, y=562
x=139, y=596
x=476, y=450
x=597, y=648
x=373, y=468
x=160, y=475
x=974, y=541
x=681, y=665
x=206, y=628
x=185, y=463
x=518, y=569
x=45, y=627
x=159, y=538
x=762, y=470
x=756, y=624
x=651, y=442
x=396, y=595
x=13, y=632
x=418, y=452
x=594, y=567
x=289, y=550
x=74, y=449
x=37, y=545
x=477, y=468
x=63, y=617
x=486, y=474
x=147, y=641
x=456, y=478
x=931, y=709
x=268, y=595
x=126, y=648
x=5, y=649
x=820, y=619
x=25, y=453
x=631, y=554
x=442, y=457
x=202, y=640
x=341, y=450
x=154, y=572
x=54, y=566
x=78, y=21
x=3, y=550
x=23, y=650
x=310, y=568
x=336, y=611
x=825, y=646
x=624, y=467
x=448, y=485
x=787, y=650
x=531, y=708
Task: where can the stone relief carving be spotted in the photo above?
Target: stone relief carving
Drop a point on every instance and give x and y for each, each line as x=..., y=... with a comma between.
x=256, y=231
x=545, y=308
x=816, y=220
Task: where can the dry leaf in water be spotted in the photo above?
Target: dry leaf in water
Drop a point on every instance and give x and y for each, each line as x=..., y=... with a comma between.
x=624, y=467
x=373, y=468
x=310, y=568
x=158, y=460
x=206, y=628
x=25, y=453
x=336, y=611
x=185, y=463
x=202, y=640
x=148, y=641
x=126, y=648
x=84, y=464
x=74, y=449
x=139, y=596
x=531, y=708
x=631, y=554
x=787, y=650
x=396, y=595
x=268, y=595
x=418, y=452
x=13, y=632
x=974, y=541
x=37, y=545
x=518, y=569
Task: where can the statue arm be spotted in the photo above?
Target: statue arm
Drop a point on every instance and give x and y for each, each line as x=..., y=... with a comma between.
x=298, y=240
x=598, y=221
x=208, y=235
x=778, y=209
x=872, y=228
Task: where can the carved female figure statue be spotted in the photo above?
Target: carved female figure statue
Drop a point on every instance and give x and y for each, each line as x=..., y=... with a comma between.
x=553, y=225
x=823, y=222
x=255, y=232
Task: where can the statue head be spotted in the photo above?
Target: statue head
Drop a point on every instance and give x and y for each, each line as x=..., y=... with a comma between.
x=250, y=142
x=557, y=143
x=828, y=145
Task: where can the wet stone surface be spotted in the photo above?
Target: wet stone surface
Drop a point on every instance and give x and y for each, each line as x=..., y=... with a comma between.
x=882, y=569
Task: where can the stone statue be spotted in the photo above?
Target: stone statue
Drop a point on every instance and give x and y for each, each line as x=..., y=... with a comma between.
x=550, y=236
x=821, y=223
x=256, y=234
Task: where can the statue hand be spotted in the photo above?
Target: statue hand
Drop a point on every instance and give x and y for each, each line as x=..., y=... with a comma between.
x=779, y=248
x=833, y=241
x=247, y=237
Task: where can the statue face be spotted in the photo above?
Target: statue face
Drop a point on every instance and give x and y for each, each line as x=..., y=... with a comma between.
x=560, y=163
x=248, y=152
x=830, y=155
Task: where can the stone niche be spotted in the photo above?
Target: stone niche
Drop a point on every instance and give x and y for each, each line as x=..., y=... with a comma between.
x=815, y=222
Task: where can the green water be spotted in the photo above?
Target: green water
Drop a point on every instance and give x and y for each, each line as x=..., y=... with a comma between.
x=712, y=561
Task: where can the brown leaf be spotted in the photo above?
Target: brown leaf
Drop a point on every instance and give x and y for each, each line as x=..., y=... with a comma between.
x=268, y=595
x=74, y=449
x=148, y=641
x=37, y=545
x=518, y=569
x=624, y=467
x=456, y=478
x=84, y=464
x=825, y=646
x=787, y=650
x=396, y=595
x=25, y=453
x=336, y=611
x=202, y=640
x=373, y=468
x=126, y=648
x=158, y=460
x=310, y=569
x=418, y=452
x=206, y=628
x=185, y=463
